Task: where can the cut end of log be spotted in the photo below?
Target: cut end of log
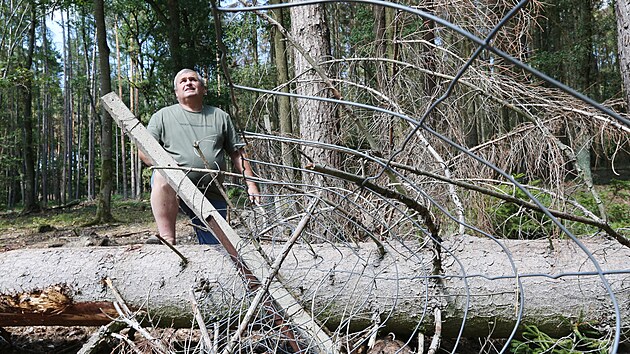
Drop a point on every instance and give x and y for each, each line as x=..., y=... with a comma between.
x=52, y=306
x=50, y=300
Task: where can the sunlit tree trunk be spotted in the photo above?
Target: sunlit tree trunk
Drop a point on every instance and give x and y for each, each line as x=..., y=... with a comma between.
x=104, y=210
x=45, y=122
x=318, y=121
x=123, y=150
x=622, y=10
x=92, y=126
x=67, y=131
x=132, y=107
x=134, y=101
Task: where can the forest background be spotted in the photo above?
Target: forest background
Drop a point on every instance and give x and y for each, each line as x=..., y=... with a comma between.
x=392, y=148
x=58, y=146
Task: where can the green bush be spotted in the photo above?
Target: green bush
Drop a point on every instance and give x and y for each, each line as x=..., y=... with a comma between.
x=512, y=221
x=581, y=340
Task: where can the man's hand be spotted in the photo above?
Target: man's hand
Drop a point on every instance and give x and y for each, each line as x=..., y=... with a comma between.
x=254, y=194
x=242, y=166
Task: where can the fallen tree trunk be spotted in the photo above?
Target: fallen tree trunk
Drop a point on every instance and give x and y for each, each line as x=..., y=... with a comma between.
x=343, y=286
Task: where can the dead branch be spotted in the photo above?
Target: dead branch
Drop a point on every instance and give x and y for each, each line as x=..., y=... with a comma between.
x=128, y=317
x=205, y=337
x=266, y=283
x=93, y=343
x=437, y=336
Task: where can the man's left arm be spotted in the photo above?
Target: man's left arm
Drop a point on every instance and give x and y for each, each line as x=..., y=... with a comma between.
x=242, y=166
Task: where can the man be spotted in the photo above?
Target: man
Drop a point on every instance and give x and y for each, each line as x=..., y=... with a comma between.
x=178, y=128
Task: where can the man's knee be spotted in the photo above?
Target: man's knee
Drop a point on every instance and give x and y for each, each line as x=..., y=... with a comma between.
x=160, y=185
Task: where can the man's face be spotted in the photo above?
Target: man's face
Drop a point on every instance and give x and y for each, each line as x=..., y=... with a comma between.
x=189, y=86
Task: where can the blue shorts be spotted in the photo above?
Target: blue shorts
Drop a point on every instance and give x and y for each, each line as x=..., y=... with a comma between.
x=205, y=236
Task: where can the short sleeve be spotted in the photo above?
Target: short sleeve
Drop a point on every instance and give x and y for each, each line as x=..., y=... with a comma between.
x=155, y=126
x=233, y=140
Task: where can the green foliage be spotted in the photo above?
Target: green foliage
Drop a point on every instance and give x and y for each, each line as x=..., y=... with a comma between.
x=362, y=32
x=581, y=340
x=615, y=198
x=512, y=221
x=568, y=37
x=237, y=195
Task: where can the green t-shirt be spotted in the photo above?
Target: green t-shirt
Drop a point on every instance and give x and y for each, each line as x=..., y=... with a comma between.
x=177, y=130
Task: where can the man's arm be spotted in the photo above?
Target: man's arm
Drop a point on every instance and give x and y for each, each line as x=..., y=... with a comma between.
x=144, y=158
x=241, y=164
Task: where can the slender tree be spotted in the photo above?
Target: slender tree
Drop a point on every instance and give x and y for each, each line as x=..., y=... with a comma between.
x=45, y=121
x=104, y=210
x=123, y=144
x=31, y=202
x=282, y=77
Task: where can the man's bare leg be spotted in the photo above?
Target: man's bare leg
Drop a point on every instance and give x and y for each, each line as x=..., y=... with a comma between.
x=165, y=207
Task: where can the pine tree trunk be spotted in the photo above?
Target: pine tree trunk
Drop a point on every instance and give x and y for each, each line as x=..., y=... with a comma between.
x=45, y=129
x=104, y=209
x=340, y=284
x=622, y=9
x=282, y=78
x=31, y=203
x=93, y=87
x=318, y=122
x=123, y=145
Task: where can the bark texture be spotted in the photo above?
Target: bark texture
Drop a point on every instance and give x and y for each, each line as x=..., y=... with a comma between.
x=104, y=206
x=318, y=121
x=622, y=10
x=344, y=286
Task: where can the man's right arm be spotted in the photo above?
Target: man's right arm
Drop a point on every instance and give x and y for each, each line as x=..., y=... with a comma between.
x=144, y=158
x=153, y=127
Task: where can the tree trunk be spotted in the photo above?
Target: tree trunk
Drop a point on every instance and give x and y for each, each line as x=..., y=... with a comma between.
x=66, y=172
x=622, y=9
x=93, y=87
x=318, y=122
x=340, y=284
x=45, y=123
x=104, y=209
x=586, y=72
x=282, y=78
x=123, y=144
x=380, y=48
x=31, y=204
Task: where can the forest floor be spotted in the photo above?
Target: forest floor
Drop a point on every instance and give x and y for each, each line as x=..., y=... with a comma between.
x=66, y=227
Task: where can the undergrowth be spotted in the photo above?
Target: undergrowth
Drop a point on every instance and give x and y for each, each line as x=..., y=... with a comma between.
x=582, y=339
x=514, y=222
x=75, y=214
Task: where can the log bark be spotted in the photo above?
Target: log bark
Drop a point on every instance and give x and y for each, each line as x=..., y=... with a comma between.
x=343, y=285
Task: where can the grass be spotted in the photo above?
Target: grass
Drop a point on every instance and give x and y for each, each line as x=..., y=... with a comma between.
x=124, y=211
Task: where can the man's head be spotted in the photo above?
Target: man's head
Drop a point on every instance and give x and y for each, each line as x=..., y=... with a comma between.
x=188, y=84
